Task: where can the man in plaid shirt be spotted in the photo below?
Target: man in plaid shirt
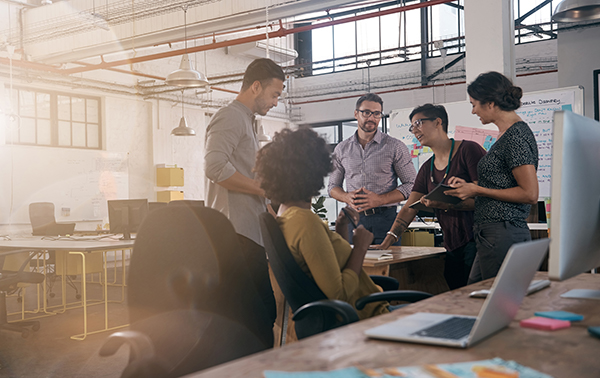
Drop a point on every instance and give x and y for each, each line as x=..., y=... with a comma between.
x=371, y=162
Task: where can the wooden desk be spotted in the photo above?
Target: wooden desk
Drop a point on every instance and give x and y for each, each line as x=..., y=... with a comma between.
x=415, y=268
x=75, y=247
x=566, y=353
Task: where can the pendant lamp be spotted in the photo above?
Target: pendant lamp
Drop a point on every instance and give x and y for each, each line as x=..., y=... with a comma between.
x=183, y=129
x=186, y=76
x=577, y=10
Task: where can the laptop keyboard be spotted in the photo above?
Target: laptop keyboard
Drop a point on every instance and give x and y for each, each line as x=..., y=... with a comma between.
x=452, y=329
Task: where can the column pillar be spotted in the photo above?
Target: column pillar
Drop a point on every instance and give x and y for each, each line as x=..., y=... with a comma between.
x=489, y=37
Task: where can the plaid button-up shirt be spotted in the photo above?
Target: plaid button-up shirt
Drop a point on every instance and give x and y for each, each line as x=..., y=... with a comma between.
x=377, y=167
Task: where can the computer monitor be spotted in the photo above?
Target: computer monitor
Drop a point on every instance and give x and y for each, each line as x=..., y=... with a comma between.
x=575, y=206
x=125, y=216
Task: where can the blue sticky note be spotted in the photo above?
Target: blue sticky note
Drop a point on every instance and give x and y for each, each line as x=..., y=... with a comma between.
x=560, y=315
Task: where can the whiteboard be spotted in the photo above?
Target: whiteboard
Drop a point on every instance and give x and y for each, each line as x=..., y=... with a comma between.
x=537, y=110
x=79, y=180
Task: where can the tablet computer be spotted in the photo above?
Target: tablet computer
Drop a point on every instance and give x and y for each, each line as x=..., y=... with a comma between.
x=437, y=194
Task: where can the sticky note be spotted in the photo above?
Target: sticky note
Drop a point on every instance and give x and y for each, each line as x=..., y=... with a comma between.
x=546, y=324
x=560, y=315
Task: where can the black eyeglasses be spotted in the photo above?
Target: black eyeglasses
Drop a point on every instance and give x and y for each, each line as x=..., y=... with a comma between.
x=418, y=123
x=368, y=113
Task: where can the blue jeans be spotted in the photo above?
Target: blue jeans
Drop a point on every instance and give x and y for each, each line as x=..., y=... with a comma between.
x=378, y=224
x=493, y=242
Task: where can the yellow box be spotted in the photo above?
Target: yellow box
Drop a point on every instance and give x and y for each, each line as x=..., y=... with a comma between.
x=417, y=238
x=169, y=176
x=169, y=195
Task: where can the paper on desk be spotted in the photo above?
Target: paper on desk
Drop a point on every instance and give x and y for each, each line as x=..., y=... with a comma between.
x=460, y=370
x=379, y=254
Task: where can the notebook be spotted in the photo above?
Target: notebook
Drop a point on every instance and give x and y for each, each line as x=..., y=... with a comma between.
x=379, y=254
x=499, y=309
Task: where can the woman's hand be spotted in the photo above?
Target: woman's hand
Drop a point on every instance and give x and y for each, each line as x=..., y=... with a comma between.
x=435, y=204
x=362, y=239
x=387, y=242
x=462, y=189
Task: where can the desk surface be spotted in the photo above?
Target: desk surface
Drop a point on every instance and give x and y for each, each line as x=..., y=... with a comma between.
x=569, y=352
x=405, y=253
x=38, y=243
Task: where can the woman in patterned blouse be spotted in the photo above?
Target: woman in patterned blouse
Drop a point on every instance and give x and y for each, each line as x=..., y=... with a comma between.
x=508, y=184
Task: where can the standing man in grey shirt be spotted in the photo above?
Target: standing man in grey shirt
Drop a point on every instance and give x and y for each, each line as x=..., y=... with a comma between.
x=371, y=162
x=231, y=145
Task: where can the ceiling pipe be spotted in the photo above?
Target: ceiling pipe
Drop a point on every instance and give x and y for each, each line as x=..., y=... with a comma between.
x=282, y=32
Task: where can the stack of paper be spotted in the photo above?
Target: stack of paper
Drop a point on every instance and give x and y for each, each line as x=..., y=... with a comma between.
x=379, y=254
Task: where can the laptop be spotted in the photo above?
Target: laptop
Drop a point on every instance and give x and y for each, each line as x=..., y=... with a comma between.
x=499, y=309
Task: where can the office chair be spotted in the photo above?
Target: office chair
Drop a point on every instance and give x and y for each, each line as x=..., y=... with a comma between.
x=43, y=223
x=238, y=257
x=313, y=311
x=191, y=293
x=9, y=281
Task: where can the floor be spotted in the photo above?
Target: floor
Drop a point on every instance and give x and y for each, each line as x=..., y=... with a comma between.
x=50, y=352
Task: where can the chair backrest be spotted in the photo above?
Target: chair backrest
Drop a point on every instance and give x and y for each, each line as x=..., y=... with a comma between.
x=41, y=216
x=203, y=242
x=43, y=222
x=297, y=287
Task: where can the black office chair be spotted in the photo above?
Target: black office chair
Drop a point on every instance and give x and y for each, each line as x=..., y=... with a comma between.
x=313, y=312
x=191, y=294
x=9, y=281
x=43, y=223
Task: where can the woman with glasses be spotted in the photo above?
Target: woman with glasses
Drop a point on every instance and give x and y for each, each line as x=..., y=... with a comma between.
x=429, y=124
x=508, y=184
x=291, y=170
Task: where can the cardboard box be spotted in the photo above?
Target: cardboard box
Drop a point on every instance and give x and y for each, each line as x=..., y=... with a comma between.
x=418, y=238
x=169, y=195
x=169, y=177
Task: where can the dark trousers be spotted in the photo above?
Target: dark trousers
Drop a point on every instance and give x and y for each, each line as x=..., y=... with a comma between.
x=458, y=264
x=493, y=242
x=379, y=224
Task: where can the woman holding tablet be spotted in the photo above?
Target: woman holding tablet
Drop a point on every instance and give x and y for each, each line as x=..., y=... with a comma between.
x=508, y=184
x=429, y=124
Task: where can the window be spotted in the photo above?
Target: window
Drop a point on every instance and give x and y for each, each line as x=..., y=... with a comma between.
x=396, y=37
x=55, y=119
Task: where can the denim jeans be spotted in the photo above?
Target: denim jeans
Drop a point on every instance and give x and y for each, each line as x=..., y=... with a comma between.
x=458, y=264
x=493, y=242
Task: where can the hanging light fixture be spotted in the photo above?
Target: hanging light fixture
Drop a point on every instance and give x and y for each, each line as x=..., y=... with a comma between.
x=186, y=76
x=183, y=129
x=577, y=10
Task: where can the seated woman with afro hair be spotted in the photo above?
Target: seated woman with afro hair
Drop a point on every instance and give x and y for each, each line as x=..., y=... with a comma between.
x=291, y=170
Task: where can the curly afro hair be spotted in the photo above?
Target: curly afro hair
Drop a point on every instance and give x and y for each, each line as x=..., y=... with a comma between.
x=292, y=167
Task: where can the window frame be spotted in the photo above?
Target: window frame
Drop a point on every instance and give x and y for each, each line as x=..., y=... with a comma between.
x=13, y=133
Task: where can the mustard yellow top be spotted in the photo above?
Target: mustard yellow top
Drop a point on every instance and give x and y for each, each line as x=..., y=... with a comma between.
x=322, y=255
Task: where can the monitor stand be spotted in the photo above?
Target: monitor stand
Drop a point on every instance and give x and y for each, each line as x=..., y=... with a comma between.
x=582, y=294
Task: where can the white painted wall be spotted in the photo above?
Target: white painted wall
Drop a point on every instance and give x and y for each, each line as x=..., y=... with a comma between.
x=578, y=57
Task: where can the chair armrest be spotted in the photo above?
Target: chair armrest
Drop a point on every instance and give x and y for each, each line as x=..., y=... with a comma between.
x=140, y=344
x=142, y=359
x=341, y=308
x=395, y=295
x=385, y=282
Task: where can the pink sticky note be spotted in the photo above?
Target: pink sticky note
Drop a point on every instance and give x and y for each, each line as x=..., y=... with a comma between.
x=545, y=323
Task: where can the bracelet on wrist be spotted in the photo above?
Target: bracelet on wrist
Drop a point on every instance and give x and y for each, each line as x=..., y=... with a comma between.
x=393, y=234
